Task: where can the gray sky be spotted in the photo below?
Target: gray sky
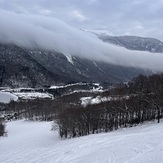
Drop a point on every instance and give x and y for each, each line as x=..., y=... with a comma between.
x=120, y=17
x=55, y=24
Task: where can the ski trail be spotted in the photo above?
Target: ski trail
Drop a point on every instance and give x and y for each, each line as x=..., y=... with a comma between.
x=34, y=142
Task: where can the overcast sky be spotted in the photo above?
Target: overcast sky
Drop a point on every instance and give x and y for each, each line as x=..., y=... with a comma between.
x=55, y=25
x=120, y=17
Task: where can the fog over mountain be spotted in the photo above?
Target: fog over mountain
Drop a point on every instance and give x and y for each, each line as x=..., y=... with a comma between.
x=33, y=31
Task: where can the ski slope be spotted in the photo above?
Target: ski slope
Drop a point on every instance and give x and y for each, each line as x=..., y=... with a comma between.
x=34, y=142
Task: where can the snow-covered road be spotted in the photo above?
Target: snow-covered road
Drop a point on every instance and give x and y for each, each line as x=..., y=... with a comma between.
x=33, y=142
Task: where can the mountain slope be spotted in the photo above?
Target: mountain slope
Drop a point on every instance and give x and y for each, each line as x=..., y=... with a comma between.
x=130, y=42
x=135, y=43
x=78, y=69
x=20, y=67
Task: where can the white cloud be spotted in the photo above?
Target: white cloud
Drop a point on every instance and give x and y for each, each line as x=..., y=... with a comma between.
x=117, y=15
x=78, y=16
x=53, y=34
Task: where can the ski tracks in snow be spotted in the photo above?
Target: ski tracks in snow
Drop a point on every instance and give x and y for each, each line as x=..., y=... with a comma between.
x=33, y=142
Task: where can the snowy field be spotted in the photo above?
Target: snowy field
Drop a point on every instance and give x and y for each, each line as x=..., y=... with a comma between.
x=34, y=142
x=32, y=95
x=6, y=97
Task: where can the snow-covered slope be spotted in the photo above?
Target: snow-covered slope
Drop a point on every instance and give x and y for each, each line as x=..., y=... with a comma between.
x=6, y=97
x=33, y=142
x=135, y=43
x=130, y=42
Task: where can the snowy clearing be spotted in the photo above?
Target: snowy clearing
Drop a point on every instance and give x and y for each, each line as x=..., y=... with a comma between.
x=90, y=101
x=6, y=97
x=68, y=85
x=32, y=95
x=13, y=94
x=33, y=142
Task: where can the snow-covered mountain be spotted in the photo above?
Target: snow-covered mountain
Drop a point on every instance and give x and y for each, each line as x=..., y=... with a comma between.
x=130, y=42
x=21, y=67
x=135, y=43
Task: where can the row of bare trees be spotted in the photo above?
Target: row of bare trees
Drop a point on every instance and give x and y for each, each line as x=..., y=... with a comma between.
x=107, y=116
x=42, y=109
x=145, y=103
x=37, y=109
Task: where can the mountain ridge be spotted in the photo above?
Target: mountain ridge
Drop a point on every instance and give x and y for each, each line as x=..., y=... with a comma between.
x=139, y=43
x=22, y=67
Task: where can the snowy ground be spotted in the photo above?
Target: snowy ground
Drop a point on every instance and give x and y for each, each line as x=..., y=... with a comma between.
x=90, y=100
x=6, y=97
x=33, y=142
x=32, y=95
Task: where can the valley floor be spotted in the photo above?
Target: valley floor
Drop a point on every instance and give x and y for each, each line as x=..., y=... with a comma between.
x=34, y=142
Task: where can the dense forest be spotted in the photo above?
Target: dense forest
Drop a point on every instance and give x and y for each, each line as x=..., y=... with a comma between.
x=130, y=104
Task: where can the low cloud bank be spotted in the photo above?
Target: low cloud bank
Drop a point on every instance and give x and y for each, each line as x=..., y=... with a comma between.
x=33, y=31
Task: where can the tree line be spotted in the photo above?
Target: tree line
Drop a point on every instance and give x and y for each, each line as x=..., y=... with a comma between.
x=145, y=103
